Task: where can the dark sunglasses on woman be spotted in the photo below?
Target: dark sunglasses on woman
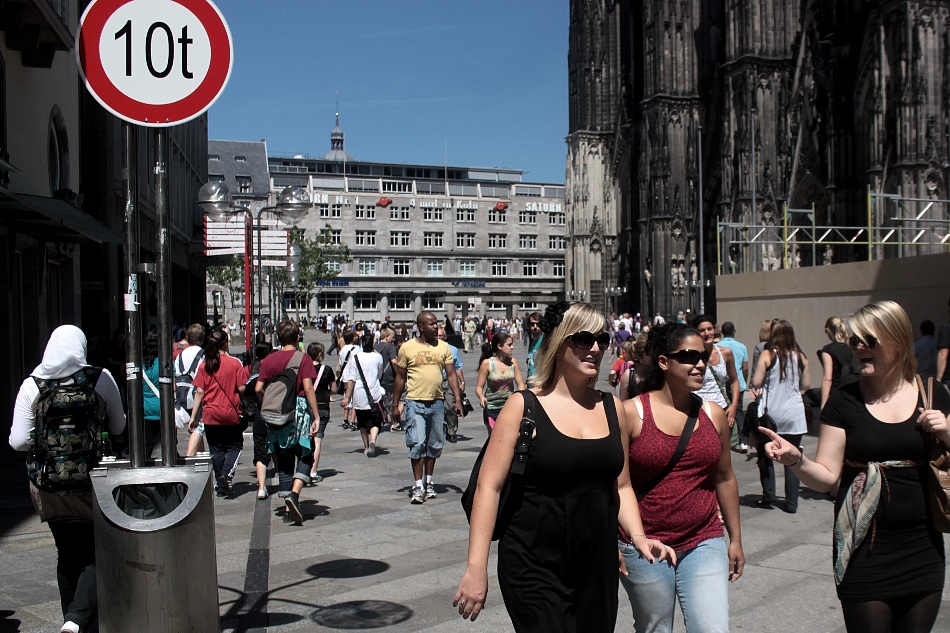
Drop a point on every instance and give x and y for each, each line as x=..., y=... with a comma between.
x=689, y=356
x=586, y=340
x=868, y=340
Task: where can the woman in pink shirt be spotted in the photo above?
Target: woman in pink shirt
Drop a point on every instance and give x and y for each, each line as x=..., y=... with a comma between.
x=218, y=386
x=681, y=491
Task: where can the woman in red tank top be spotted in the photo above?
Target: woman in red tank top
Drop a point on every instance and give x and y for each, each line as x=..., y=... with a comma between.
x=680, y=504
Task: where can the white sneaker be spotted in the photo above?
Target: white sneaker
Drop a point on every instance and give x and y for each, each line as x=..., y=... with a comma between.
x=69, y=627
x=262, y=493
x=418, y=495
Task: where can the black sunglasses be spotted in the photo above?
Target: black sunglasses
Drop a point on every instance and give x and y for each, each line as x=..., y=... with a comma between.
x=689, y=356
x=586, y=340
x=868, y=340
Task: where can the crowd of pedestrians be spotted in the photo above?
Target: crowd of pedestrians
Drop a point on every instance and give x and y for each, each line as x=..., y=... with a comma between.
x=631, y=486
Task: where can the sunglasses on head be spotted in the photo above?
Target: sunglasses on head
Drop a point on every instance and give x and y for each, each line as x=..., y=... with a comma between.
x=689, y=356
x=586, y=340
x=868, y=340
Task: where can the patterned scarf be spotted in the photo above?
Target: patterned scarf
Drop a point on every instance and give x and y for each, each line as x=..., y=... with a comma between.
x=857, y=510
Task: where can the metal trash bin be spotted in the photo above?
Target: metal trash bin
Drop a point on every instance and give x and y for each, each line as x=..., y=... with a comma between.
x=156, y=570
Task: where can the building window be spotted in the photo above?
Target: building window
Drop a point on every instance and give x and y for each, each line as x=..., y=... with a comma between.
x=497, y=217
x=367, y=267
x=467, y=268
x=324, y=210
x=336, y=211
x=333, y=266
x=334, y=236
x=554, y=192
x=521, y=190
x=465, y=215
x=529, y=306
x=432, y=239
x=399, y=238
x=557, y=242
x=244, y=184
x=365, y=301
x=499, y=268
x=365, y=213
x=528, y=242
x=432, y=215
x=366, y=238
x=556, y=219
x=432, y=301
x=295, y=301
x=401, y=267
x=390, y=186
x=399, y=213
x=240, y=159
x=465, y=240
x=529, y=269
x=497, y=240
x=496, y=305
x=559, y=269
x=331, y=301
x=435, y=268
x=527, y=217
x=400, y=301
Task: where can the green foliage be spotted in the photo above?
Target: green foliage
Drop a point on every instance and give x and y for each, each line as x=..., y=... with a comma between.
x=227, y=274
x=317, y=253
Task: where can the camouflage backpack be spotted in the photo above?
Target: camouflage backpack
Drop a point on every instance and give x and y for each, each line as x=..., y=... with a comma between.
x=69, y=433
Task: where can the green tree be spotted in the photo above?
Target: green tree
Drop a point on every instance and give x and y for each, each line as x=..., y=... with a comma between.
x=226, y=275
x=317, y=253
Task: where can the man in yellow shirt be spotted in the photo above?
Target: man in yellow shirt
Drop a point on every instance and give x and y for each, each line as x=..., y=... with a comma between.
x=419, y=371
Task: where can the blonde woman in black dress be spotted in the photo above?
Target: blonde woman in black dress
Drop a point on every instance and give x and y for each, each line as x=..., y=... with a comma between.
x=876, y=436
x=557, y=561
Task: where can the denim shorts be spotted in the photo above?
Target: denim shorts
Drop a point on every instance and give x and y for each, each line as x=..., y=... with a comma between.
x=324, y=412
x=425, y=428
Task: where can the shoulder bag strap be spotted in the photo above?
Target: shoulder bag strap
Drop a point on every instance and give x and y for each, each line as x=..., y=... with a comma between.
x=319, y=375
x=151, y=385
x=194, y=362
x=236, y=410
x=677, y=454
x=359, y=368
x=611, y=410
x=525, y=435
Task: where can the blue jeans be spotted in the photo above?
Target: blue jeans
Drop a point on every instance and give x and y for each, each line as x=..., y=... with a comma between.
x=700, y=581
x=425, y=428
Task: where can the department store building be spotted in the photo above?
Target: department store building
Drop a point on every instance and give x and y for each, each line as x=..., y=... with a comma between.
x=422, y=237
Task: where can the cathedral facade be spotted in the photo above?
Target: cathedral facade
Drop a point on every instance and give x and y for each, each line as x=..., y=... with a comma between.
x=703, y=133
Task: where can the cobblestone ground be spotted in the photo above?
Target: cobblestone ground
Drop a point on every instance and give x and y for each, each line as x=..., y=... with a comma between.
x=367, y=559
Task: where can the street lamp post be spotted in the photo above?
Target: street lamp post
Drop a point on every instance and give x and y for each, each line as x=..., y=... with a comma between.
x=292, y=206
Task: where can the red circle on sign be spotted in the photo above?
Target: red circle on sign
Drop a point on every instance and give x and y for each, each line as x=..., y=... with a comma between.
x=150, y=114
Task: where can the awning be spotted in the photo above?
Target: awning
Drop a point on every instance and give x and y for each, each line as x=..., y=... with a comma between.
x=52, y=220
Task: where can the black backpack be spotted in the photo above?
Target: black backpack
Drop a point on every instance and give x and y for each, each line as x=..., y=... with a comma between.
x=184, y=391
x=279, y=404
x=69, y=432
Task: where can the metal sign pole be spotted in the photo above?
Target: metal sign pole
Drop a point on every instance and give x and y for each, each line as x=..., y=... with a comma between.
x=165, y=375
x=133, y=340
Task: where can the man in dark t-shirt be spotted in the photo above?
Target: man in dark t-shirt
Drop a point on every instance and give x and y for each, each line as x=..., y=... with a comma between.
x=387, y=379
x=291, y=443
x=943, y=350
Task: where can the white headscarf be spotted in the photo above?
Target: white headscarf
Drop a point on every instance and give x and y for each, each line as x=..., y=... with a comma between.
x=65, y=353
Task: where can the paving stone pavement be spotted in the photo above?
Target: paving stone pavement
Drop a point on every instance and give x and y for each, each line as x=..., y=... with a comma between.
x=366, y=559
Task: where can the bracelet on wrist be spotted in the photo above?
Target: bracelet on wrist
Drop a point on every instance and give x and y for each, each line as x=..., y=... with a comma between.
x=801, y=458
x=633, y=536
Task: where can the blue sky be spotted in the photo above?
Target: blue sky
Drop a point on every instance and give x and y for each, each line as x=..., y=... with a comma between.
x=483, y=84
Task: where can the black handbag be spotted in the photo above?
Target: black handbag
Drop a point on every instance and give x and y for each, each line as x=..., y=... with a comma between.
x=466, y=405
x=763, y=418
x=511, y=494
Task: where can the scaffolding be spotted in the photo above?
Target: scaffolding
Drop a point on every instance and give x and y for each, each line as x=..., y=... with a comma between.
x=883, y=237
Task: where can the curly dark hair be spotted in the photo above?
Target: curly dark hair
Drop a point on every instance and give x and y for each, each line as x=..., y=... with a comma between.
x=661, y=341
x=553, y=315
x=150, y=349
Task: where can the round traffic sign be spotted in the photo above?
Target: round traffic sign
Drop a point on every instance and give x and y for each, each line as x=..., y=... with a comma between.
x=154, y=62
